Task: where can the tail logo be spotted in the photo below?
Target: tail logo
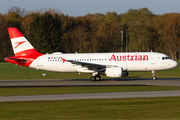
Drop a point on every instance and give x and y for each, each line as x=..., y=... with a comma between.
x=19, y=43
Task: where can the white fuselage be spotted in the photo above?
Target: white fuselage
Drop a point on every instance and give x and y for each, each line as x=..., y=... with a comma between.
x=129, y=61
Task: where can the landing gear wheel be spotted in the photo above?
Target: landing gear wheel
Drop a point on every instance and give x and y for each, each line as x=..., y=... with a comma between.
x=93, y=78
x=154, y=78
x=98, y=78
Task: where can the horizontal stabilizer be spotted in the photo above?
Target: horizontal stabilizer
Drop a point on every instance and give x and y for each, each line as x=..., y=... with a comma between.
x=16, y=59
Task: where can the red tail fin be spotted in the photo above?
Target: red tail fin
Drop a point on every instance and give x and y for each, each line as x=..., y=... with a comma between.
x=20, y=44
x=24, y=52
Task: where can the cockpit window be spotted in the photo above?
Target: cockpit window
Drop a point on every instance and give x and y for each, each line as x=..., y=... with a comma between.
x=165, y=58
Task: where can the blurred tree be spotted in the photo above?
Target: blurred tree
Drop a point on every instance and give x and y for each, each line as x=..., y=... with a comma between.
x=168, y=27
x=5, y=46
x=112, y=17
x=106, y=34
x=138, y=37
x=99, y=17
x=17, y=10
x=26, y=22
x=14, y=20
x=45, y=35
x=68, y=24
x=136, y=14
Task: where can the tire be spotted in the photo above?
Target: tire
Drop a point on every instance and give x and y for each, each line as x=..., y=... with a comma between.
x=154, y=78
x=98, y=78
x=93, y=78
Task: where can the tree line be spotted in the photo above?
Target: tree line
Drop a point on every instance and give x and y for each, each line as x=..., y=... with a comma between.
x=49, y=31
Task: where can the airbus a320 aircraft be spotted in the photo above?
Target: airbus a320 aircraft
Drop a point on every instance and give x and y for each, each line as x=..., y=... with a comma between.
x=117, y=64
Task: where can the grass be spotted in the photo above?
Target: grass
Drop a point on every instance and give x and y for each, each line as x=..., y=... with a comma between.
x=167, y=108
x=10, y=71
x=71, y=90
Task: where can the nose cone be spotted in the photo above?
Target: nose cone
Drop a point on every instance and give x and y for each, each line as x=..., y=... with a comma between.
x=173, y=64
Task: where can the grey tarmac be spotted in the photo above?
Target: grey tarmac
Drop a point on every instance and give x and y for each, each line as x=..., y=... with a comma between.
x=87, y=82
x=172, y=93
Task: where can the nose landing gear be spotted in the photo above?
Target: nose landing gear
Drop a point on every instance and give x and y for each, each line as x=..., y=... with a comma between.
x=153, y=75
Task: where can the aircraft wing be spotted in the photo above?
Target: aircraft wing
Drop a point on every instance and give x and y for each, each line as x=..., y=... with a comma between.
x=86, y=64
x=90, y=66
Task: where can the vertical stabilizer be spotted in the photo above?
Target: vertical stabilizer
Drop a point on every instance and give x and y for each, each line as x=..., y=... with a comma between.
x=20, y=44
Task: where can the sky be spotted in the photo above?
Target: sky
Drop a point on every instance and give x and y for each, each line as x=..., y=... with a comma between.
x=83, y=7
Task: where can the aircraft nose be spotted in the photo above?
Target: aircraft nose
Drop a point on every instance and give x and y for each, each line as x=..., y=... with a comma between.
x=174, y=64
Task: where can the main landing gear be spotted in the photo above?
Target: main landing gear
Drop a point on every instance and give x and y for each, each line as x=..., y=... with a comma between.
x=153, y=75
x=95, y=78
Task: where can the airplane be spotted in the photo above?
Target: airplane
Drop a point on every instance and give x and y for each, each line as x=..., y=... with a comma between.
x=116, y=64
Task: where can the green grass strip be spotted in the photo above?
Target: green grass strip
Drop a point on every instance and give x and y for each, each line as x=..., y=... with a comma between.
x=167, y=108
x=71, y=90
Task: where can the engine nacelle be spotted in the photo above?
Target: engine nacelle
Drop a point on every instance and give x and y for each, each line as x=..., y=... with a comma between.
x=114, y=72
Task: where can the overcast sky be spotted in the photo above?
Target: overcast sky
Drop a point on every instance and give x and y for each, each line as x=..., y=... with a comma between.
x=83, y=7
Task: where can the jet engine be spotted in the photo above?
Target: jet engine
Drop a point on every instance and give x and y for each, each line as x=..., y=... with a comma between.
x=114, y=72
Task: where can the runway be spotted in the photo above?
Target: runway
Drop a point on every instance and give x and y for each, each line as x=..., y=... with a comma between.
x=87, y=82
x=173, y=93
x=80, y=82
